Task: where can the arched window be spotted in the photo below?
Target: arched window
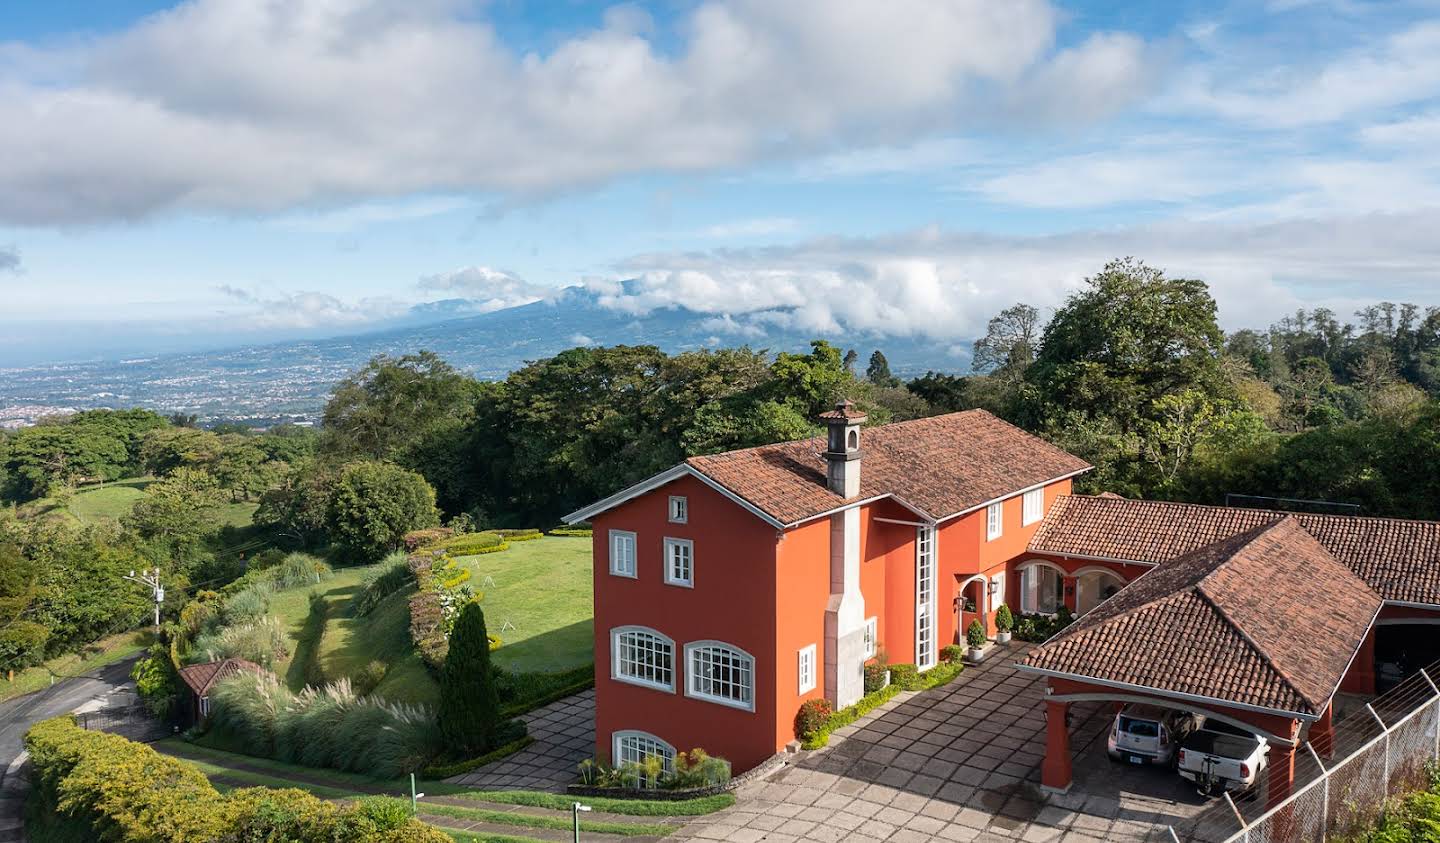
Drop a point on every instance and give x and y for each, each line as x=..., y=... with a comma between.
x=1042, y=588
x=642, y=656
x=632, y=746
x=719, y=673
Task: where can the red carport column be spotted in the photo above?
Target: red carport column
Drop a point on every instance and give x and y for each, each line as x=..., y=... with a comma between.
x=1322, y=733
x=1361, y=678
x=1282, y=775
x=1055, y=770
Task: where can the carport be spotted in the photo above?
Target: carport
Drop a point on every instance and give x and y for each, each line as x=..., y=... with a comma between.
x=1258, y=630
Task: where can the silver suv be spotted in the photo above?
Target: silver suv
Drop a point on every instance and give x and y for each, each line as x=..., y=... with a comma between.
x=1148, y=734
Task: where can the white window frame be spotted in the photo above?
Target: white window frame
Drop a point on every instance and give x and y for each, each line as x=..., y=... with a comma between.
x=805, y=667
x=615, y=567
x=925, y=573
x=1030, y=588
x=872, y=637
x=619, y=676
x=666, y=751
x=670, y=578
x=994, y=521
x=692, y=674
x=1032, y=507
x=679, y=509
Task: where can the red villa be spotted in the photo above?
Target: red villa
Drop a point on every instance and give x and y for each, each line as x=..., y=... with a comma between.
x=732, y=588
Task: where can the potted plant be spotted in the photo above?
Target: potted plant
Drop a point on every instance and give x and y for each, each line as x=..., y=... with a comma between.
x=1004, y=622
x=975, y=637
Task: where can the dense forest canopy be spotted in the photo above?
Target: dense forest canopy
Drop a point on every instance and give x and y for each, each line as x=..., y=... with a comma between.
x=1132, y=372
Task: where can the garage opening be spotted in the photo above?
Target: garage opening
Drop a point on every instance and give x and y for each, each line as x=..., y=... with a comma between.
x=1401, y=649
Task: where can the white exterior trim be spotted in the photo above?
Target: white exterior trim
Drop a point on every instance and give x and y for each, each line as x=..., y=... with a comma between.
x=670, y=510
x=1406, y=604
x=615, y=674
x=666, y=476
x=669, y=572
x=1084, y=558
x=1010, y=495
x=698, y=695
x=806, y=685
x=638, y=733
x=634, y=553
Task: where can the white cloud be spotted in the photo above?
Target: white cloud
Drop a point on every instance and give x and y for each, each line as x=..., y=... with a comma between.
x=9, y=259
x=1400, y=69
x=581, y=340
x=301, y=310
x=336, y=221
x=487, y=289
x=945, y=284
x=749, y=228
x=1419, y=132
x=263, y=105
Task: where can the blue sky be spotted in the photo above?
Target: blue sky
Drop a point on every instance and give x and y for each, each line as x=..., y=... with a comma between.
x=222, y=170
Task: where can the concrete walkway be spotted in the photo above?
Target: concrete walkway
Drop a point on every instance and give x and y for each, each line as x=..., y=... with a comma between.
x=960, y=762
x=564, y=735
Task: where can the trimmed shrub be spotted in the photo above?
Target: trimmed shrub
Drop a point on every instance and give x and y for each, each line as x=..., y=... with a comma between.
x=573, y=532
x=975, y=635
x=519, y=535
x=1037, y=627
x=445, y=771
x=263, y=642
x=470, y=544
x=117, y=789
x=904, y=675
x=952, y=653
x=693, y=769
x=812, y=716
x=469, y=701
x=1004, y=620
x=416, y=539
x=875, y=676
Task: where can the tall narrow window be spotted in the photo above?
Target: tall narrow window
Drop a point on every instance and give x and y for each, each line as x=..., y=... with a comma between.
x=680, y=562
x=1034, y=507
x=994, y=521
x=807, y=668
x=642, y=656
x=679, y=510
x=924, y=597
x=1042, y=590
x=872, y=637
x=622, y=553
x=719, y=673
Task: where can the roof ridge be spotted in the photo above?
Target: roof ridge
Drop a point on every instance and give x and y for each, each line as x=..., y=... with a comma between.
x=1254, y=646
x=1383, y=519
x=1242, y=541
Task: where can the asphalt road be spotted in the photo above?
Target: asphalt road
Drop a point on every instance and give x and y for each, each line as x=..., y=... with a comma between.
x=19, y=714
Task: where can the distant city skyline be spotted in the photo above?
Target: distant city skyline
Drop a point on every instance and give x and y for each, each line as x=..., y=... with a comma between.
x=177, y=176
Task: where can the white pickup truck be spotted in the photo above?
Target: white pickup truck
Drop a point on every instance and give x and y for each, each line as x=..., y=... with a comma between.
x=1219, y=757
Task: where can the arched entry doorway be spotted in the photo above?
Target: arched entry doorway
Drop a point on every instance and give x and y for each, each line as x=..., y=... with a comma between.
x=1094, y=586
x=970, y=605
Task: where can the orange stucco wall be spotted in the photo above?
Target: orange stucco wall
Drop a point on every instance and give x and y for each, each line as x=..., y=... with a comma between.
x=802, y=579
x=733, y=601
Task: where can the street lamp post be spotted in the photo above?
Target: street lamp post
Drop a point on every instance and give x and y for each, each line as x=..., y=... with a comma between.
x=575, y=811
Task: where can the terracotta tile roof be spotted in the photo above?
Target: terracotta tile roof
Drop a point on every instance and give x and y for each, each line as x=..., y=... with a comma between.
x=1399, y=559
x=201, y=677
x=943, y=465
x=1198, y=624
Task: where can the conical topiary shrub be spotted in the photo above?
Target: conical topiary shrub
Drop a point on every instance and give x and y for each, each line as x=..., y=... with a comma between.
x=469, y=703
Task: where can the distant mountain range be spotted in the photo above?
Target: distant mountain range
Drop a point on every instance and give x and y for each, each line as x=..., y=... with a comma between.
x=290, y=381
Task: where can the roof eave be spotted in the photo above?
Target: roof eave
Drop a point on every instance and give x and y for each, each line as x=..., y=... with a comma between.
x=667, y=476
x=1179, y=695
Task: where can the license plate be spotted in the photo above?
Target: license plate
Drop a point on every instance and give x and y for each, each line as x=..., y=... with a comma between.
x=1136, y=759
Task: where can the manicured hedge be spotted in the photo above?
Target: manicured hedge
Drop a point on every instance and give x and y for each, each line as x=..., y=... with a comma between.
x=572, y=531
x=524, y=535
x=473, y=543
x=445, y=771
x=122, y=790
x=416, y=539
x=903, y=677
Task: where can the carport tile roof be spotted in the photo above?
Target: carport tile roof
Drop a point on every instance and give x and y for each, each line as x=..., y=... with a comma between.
x=1205, y=624
x=1399, y=559
x=200, y=678
x=942, y=465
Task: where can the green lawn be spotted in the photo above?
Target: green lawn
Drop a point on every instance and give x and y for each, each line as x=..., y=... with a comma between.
x=109, y=501
x=543, y=589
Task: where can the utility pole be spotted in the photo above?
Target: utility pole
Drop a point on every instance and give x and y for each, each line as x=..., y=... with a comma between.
x=157, y=591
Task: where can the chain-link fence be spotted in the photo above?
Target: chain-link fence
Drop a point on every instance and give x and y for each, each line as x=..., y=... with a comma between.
x=1381, y=750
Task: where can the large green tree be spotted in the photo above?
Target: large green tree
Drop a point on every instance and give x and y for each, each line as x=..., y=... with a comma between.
x=469, y=701
x=372, y=505
x=395, y=403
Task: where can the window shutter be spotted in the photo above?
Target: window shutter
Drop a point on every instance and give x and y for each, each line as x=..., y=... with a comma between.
x=1030, y=583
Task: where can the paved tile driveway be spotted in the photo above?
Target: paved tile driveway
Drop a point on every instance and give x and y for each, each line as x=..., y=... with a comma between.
x=955, y=763
x=564, y=735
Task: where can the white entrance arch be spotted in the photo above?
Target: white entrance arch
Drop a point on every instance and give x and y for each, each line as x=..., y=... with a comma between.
x=982, y=607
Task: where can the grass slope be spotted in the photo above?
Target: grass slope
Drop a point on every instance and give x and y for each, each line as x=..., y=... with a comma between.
x=544, y=589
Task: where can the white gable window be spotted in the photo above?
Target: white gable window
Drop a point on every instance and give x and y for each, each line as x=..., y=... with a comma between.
x=642, y=656
x=719, y=673
x=994, y=521
x=634, y=747
x=679, y=510
x=807, y=668
x=680, y=562
x=872, y=637
x=1034, y=507
x=622, y=553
